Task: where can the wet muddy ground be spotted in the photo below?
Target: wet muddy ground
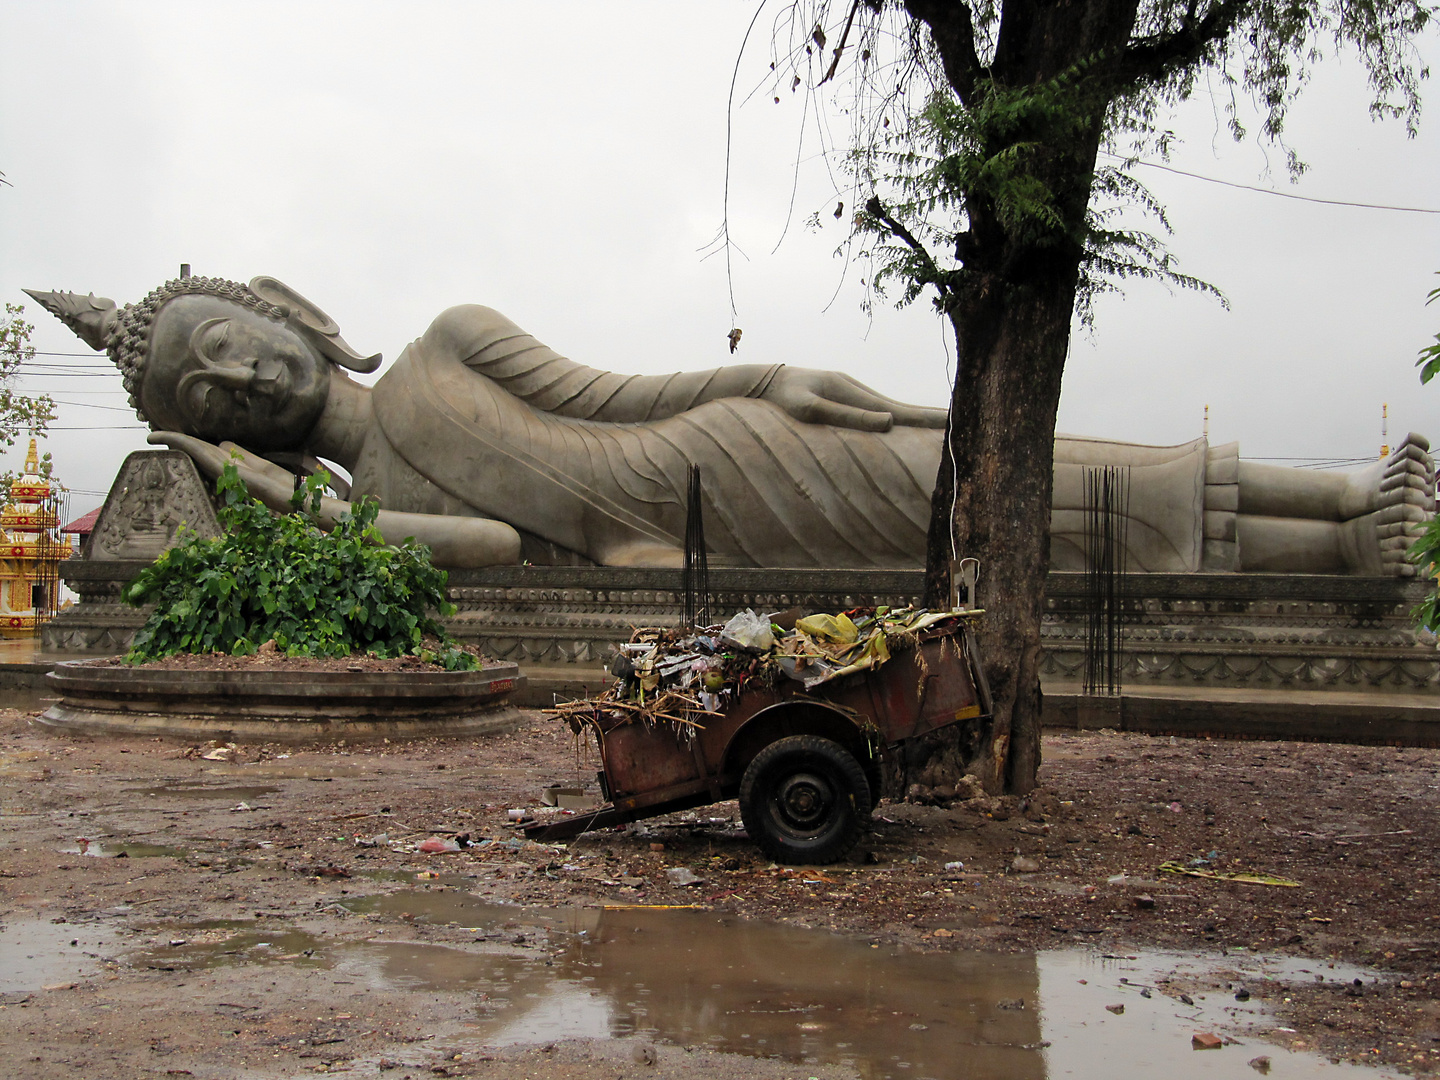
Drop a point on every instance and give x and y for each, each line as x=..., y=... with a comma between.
x=268, y=913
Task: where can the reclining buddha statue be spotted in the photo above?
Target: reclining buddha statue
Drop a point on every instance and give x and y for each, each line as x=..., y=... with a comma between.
x=492, y=448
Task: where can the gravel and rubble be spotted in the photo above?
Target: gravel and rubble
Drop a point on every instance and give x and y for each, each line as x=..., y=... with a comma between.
x=283, y=839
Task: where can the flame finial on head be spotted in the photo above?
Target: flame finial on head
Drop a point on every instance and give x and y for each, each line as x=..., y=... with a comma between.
x=90, y=317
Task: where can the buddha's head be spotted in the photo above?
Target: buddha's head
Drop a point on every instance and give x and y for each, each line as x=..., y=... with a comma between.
x=219, y=360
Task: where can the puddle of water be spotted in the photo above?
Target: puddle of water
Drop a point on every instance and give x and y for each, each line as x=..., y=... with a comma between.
x=1088, y=1042
x=286, y=771
x=35, y=953
x=235, y=793
x=123, y=849
x=810, y=997
x=801, y=996
x=220, y=943
x=454, y=907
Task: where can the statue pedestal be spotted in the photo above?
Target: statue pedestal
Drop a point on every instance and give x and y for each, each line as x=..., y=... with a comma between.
x=1214, y=653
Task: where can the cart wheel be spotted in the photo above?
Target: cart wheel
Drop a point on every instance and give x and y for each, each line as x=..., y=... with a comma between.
x=805, y=800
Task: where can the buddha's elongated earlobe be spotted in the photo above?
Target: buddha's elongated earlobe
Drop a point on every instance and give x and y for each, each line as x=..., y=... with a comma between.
x=317, y=328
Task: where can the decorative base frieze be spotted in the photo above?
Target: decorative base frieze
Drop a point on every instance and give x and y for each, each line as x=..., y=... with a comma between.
x=1257, y=631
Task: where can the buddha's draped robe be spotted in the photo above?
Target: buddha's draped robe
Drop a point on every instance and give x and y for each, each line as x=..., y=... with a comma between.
x=478, y=418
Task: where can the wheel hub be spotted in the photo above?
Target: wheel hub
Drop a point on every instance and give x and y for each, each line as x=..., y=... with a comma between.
x=804, y=800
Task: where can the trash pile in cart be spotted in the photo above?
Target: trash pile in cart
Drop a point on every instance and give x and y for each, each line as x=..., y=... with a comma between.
x=682, y=675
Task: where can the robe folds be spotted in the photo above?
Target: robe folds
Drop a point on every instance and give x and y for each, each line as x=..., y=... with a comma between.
x=477, y=418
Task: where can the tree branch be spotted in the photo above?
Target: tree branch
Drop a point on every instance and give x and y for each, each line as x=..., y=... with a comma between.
x=953, y=29
x=876, y=209
x=1153, y=58
x=839, y=49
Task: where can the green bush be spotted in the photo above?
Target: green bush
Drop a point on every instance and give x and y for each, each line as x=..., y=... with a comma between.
x=282, y=578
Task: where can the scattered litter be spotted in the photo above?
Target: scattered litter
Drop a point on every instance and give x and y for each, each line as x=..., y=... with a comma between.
x=228, y=752
x=378, y=840
x=517, y=814
x=1243, y=877
x=682, y=875
x=1118, y=1010
x=954, y=866
x=241, y=808
x=438, y=845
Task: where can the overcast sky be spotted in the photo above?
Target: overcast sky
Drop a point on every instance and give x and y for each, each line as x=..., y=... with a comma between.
x=565, y=162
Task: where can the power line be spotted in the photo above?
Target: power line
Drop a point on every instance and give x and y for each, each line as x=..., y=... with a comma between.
x=1271, y=191
x=89, y=405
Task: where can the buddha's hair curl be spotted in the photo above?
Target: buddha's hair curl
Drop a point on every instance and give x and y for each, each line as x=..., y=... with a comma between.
x=129, y=338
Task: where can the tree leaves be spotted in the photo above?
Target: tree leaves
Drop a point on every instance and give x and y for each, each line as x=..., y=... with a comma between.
x=1429, y=362
x=19, y=412
x=280, y=578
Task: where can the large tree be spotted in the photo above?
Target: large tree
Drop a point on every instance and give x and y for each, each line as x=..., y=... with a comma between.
x=978, y=135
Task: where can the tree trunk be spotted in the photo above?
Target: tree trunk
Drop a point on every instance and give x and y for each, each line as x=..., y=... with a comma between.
x=1011, y=310
x=1002, y=432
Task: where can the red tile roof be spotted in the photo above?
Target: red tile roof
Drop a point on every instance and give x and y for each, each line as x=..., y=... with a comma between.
x=83, y=525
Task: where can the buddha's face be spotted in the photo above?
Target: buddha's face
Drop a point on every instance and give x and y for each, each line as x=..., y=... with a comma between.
x=220, y=371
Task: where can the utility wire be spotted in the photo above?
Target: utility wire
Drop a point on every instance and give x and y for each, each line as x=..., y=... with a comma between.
x=89, y=405
x=1271, y=191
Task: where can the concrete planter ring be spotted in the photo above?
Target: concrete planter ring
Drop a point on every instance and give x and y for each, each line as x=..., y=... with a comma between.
x=275, y=705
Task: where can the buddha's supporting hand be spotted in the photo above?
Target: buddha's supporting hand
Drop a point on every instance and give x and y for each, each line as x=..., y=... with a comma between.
x=1385, y=508
x=829, y=397
x=454, y=542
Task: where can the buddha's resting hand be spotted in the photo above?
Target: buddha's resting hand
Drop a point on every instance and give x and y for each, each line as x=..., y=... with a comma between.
x=268, y=482
x=829, y=397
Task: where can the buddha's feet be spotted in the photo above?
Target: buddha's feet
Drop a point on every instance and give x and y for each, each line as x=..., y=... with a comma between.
x=1396, y=498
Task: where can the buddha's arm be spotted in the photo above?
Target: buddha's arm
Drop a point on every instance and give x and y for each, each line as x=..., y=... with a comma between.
x=456, y=542
x=491, y=344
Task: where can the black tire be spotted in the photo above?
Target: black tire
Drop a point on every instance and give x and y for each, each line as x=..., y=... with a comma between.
x=805, y=800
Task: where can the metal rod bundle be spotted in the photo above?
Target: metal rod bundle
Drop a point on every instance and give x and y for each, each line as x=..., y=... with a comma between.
x=696, y=580
x=1107, y=520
